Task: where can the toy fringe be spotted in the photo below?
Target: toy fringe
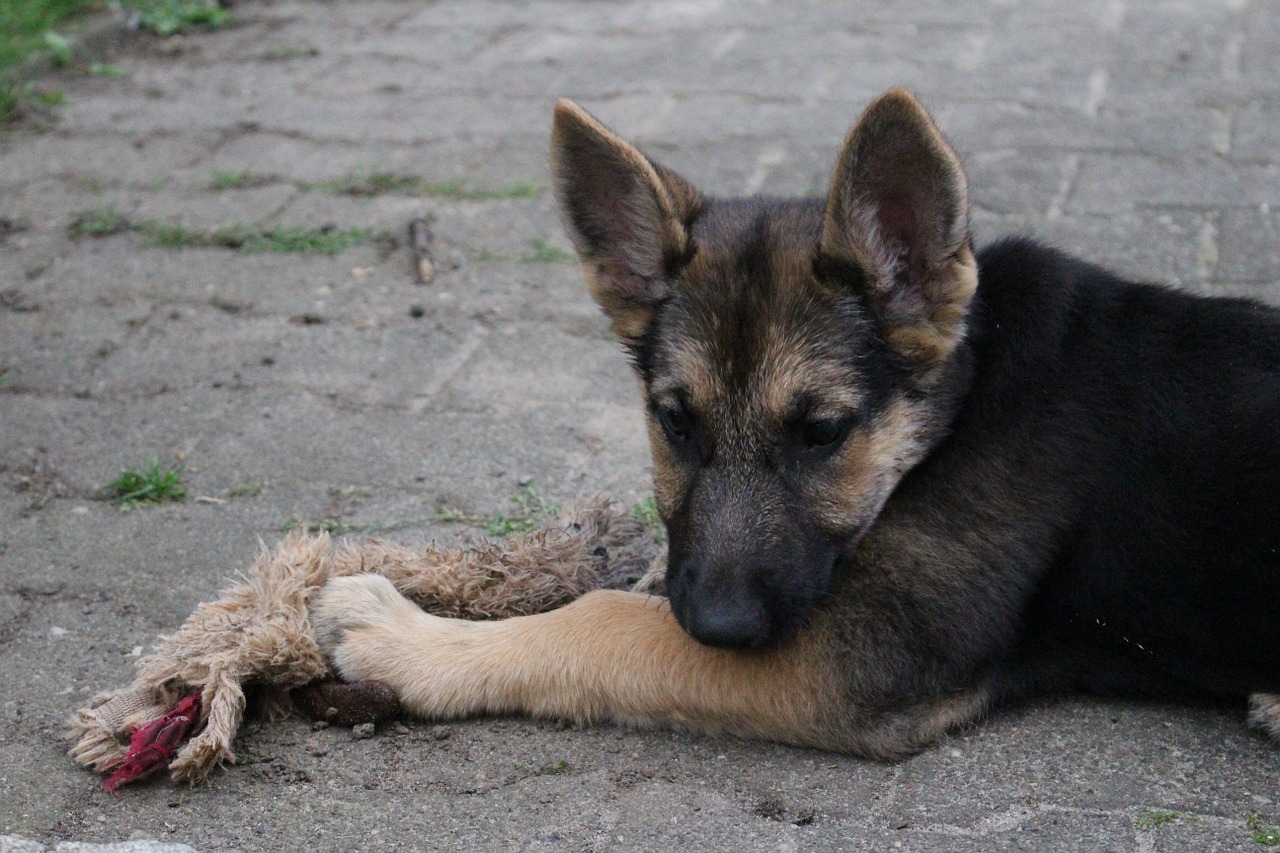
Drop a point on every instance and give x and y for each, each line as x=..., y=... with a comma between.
x=258, y=632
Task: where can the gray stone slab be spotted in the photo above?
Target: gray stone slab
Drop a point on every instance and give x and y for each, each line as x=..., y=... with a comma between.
x=299, y=388
x=317, y=209
x=1009, y=181
x=109, y=159
x=135, y=846
x=1265, y=292
x=1250, y=245
x=201, y=208
x=1176, y=247
x=120, y=270
x=1001, y=125
x=306, y=161
x=1256, y=133
x=1109, y=184
x=1096, y=749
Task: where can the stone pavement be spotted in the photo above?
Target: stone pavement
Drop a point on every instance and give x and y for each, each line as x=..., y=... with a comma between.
x=334, y=390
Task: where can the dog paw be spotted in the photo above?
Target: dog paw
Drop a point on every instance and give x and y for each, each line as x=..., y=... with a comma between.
x=358, y=622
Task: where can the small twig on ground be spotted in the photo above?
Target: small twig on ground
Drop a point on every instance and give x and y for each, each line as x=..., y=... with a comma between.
x=420, y=241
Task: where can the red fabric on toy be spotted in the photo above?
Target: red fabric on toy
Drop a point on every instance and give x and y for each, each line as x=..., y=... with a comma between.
x=152, y=745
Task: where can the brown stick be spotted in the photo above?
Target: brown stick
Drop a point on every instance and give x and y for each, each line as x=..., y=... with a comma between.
x=420, y=241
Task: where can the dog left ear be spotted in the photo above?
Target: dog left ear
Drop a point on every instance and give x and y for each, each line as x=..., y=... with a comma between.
x=628, y=217
x=898, y=208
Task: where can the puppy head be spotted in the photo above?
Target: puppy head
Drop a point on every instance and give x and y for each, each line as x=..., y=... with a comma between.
x=797, y=357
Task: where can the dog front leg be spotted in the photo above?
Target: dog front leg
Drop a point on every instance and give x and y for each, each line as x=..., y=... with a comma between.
x=608, y=655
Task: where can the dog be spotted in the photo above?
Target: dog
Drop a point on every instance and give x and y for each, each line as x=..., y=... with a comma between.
x=905, y=482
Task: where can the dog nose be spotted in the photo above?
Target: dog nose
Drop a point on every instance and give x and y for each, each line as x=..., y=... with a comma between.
x=728, y=625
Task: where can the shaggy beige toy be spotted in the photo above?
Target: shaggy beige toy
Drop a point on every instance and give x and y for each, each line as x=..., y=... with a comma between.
x=258, y=633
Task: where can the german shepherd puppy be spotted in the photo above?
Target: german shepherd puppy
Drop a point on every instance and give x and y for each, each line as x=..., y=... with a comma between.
x=903, y=481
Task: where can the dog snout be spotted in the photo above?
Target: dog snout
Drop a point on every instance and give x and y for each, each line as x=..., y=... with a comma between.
x=729, y=624
x=717, y=611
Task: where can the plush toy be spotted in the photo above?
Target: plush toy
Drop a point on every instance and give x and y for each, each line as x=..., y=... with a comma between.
x=187, y=701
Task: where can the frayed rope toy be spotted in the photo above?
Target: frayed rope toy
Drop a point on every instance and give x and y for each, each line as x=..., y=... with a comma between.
x=187, y=701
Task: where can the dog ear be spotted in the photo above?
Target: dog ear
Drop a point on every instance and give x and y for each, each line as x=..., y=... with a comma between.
x=626, y=215
x=898, y=208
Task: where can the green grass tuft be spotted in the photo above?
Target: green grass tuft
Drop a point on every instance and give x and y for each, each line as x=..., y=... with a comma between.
x=103, y=222
x=542, y=252
x=10, y=100
x=170, y=17
x=371, y=183
x=531, y=509
x=646, y=512
x=334, y=527
x=553, y=769
x=285, y=52
x=327, y=241
x=171, y=236
x=504, y=525
x=230, y=179
x=375, y=182
x=27, y=28
x=104, y=69
x=59, y=48
x=35, y=28
x=457, y=191
x=328, y=525
x=246, y=238
x=1149, y=818
x=157, y=484
x=533, y=504
x=1263, y=833
x=446, y=514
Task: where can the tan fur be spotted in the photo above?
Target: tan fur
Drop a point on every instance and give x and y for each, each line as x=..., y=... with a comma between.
x=670, y=480
x=607, y=656
x=929, y=342
x=695, y=368
x=788, y=371
x=872, y=463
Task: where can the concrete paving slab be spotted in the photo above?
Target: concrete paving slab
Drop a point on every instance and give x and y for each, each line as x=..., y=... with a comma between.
x=1250, y=245
x=334, y=389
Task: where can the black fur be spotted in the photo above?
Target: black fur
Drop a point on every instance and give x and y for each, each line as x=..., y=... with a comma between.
x=1143, y=427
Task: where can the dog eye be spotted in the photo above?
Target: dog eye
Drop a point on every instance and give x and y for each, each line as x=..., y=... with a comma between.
x=823, y=433
x=675, y=422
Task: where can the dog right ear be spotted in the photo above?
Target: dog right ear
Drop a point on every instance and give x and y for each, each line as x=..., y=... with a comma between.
x=898, y=207
x=626, y=215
